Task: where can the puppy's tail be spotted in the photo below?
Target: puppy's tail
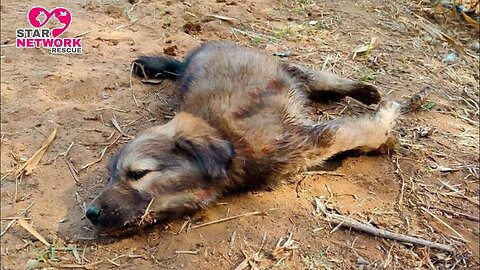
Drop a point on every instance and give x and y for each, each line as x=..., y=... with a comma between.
x=158, y=67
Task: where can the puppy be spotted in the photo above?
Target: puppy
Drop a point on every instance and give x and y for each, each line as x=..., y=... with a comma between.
x=243, y=123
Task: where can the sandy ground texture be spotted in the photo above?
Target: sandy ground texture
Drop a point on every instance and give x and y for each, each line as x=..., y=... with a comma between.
x=428, y=187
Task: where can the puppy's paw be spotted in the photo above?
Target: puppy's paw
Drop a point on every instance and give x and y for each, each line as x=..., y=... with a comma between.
x=365, y=93
x=388, y=111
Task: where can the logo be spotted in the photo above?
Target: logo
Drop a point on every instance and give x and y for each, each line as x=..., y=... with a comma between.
x=40, y=37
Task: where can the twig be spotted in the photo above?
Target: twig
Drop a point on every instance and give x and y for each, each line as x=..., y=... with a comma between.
x=84, y=266
x=86, y=166
x=228, y=218
x=146, y=211
x=399, y=172
x=130, y=79
x=192, y=252
x=126, y=25
x=67, y=151
x=223, y=18
x=366, y=228
x=91, y=31
x=324, y=173
x=460, y=193
x=130, y=11
x=112, y=262
x=73, y=171
x=253, y=35
x=444, y=223
x=10, y=224
x=455, y=213
x=117, y=126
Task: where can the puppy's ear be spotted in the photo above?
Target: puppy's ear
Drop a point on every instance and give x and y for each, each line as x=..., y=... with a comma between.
x=213, y=155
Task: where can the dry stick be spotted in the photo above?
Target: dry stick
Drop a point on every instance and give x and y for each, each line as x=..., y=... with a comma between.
x=399, y=172
x=460, y=193
x=91, y=31
x=16, y=218
x=444, y=223
x=117, y=126
x=73, y=171
x=324, y=173
x=228, y=218
x=8, y=226
x=454, y=213
x=146, y=211
x=86, y=166
x=191, y=252
x=356, y=225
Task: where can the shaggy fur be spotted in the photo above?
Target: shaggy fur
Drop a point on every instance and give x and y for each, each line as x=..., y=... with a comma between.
x=243, y=123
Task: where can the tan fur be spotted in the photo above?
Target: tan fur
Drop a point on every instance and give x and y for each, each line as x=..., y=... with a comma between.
x=243, y=123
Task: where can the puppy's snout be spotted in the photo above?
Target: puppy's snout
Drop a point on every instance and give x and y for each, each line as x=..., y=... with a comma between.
x=93, y=213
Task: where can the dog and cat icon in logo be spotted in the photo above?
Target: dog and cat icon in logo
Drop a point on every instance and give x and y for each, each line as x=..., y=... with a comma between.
x=42, y=37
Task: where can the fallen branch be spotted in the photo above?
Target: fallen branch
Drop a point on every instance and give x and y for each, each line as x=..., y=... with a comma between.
x=367, y=228
x=255, y=213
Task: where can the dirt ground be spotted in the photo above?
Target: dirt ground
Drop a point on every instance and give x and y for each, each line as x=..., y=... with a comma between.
x=435, y=167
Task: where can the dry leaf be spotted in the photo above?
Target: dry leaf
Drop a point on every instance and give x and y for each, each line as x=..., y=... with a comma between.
x=117, y=126
x=470, y=21
x=366, y=48
x=32, y=231
x=436, y=33
x=32, y=162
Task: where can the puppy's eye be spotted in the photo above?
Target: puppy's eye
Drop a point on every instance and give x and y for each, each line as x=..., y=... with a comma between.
x=135, y=175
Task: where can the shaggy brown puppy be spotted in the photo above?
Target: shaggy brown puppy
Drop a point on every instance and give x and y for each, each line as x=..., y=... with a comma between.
x=243, y=122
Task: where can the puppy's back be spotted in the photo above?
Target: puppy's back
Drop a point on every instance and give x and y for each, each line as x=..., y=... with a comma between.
x=220, y=65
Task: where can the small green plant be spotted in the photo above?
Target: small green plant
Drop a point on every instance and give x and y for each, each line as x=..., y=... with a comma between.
x=366, y=75
x=315, y=261
x=159, y=12
x=283, y=33
x=429, y=105
x=256, y=40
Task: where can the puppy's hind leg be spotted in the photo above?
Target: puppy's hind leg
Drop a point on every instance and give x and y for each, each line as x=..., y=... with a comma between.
x=366, y=133
x=322, y=85
x=158, y=67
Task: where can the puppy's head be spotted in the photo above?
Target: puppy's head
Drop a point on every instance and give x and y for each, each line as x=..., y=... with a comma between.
x=165, y=172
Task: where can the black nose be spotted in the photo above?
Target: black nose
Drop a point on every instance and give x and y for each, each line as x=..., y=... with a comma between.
x=93, y=213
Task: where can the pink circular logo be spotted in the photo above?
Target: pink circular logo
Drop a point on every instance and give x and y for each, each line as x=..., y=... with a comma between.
x=62, y=14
